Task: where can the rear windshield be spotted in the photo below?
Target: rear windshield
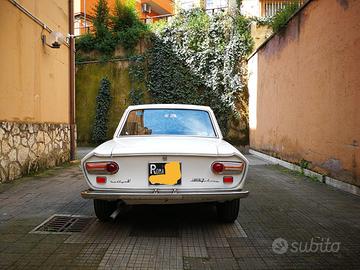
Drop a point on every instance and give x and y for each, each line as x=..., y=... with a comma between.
x=168, y=122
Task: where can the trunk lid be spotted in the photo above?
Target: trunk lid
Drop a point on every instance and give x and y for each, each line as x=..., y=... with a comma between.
x=169, y=145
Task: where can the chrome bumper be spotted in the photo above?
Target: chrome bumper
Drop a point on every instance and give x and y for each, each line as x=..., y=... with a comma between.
x=163, y=197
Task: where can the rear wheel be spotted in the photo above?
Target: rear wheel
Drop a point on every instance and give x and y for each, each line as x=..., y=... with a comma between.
x=104, y=209
x=228, y=211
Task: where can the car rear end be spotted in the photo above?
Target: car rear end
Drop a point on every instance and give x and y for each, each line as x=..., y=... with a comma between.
x=144, y=179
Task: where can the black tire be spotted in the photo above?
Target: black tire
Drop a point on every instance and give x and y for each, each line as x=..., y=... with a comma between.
x=228, y=211
x=104, y=209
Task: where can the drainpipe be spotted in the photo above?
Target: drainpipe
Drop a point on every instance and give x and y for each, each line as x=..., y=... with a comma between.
x=72, y=82
x=85, y=24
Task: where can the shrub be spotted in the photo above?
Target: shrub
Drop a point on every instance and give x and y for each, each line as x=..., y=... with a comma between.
x=125, y=15
x=127, y=27
x=86, y=42
x=281, y=18
x=130, y=37
x=102, y=108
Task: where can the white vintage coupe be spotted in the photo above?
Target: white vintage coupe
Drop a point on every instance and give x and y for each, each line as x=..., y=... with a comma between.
x=166, y=154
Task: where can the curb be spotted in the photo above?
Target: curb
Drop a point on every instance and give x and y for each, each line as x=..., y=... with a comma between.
x=319, y=177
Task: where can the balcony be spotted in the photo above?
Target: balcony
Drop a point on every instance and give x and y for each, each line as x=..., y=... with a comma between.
x=160, y=7
x=271, y=7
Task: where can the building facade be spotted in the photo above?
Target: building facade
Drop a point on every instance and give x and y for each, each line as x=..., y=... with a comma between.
x=264, y=8
x=206, y=4
x=148, y=11
x=36, y=86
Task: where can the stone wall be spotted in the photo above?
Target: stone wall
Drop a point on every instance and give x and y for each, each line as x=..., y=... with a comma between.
x=29, y=147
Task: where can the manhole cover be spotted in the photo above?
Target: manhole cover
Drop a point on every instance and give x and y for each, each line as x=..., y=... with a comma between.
x=64, y=224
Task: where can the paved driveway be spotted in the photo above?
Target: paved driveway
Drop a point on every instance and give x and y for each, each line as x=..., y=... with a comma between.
x=313, y=225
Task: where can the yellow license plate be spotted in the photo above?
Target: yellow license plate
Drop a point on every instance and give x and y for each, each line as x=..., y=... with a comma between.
x=165, y=173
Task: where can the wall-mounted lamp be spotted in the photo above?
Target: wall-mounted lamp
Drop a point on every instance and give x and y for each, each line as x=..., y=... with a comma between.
x=55, y=39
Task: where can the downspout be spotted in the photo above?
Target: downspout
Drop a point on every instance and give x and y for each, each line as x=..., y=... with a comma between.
x=72, y=82
x=85, y=23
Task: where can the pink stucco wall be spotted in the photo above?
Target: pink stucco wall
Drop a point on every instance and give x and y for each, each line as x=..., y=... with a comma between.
x=305, y=90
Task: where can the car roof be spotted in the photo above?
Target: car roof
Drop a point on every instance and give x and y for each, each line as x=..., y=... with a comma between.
x=169, y=106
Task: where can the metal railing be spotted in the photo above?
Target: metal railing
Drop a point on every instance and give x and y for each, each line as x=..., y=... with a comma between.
x=271, y=7
x=152, y=19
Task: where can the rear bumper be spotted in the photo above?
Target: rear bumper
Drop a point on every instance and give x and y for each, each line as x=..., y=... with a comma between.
x=163, y=197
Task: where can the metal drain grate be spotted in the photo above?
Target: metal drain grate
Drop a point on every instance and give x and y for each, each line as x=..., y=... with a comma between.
x=64, y=224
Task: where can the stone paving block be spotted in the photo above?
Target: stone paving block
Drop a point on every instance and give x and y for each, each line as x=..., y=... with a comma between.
x=169, y=254
x=239, y=242
x=196, y=263
x=8, y=259
x=224, y=264
x=247, y=252
x=101, y=233
x=251, y=263
x=195, y=251
x=155, y=230
x=219, y=253
x=204, y=263
x=29, y=261
x=64, y=255
x=264, y=251
x=90, y=256
x=19, y=247
x=10, y=237
x=54, y=238
x=216, y=242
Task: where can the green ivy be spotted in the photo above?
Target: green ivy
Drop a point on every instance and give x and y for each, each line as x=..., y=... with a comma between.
x=281, y=18
x=103, y=101
x=198, y=58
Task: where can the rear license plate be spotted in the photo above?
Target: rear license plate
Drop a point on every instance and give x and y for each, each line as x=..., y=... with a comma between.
x=165, y=173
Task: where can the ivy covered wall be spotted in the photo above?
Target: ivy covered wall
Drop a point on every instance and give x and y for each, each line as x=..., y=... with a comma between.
x=196, y=58
x=88, y=77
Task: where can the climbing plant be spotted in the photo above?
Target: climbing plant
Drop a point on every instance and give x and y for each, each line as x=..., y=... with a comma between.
x=103, y=100
x=198, y=58
x=281, y=18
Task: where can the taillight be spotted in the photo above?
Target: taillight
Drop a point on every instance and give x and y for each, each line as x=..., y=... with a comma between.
x=109, y=167
x=101, y=179
x=227, y=167
x=228, y=179
x=217, y=167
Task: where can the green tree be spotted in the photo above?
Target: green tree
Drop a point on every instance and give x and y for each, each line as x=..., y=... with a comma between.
x=103, y=101
x=127, y=27
x=104, y=40
x=101, y=20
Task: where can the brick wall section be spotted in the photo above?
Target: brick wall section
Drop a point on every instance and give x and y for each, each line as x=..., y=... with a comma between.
x=29, y=147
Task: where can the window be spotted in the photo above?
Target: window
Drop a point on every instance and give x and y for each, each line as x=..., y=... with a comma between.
x=214, y=4
x=183, y=122
x=188, y=4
